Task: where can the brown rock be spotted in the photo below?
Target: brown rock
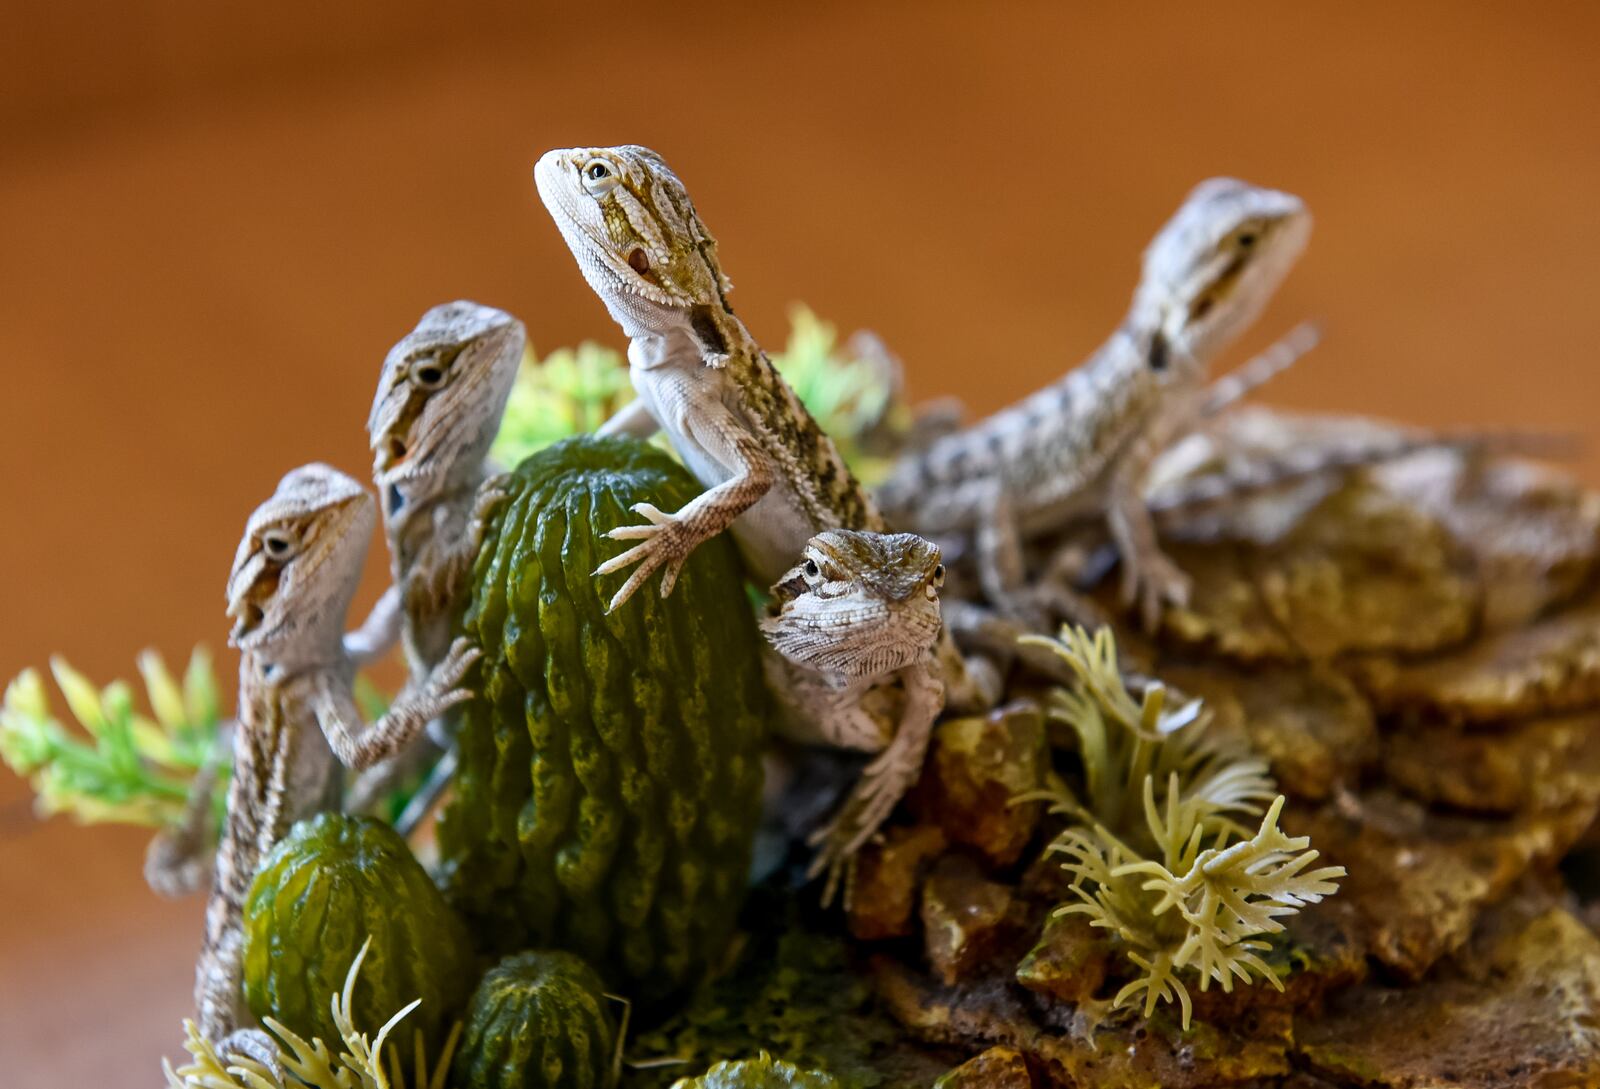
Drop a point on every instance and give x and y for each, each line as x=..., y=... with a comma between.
x=1364, y=572
x=1319, y=952
x=1534, y=532
x=1083, y=1047
x=997, y=1068
x=1225, y=614
x=1521, y=1010
x=1548, y=668
x=1418, y=881
x=966, y=919
x=1068, y=962
x=1543, y=764
x=883, y=892
x=1312, y=725
x=1361, y=572
x=975, y=767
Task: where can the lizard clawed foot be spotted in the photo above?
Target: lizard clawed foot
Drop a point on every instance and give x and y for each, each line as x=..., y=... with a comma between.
x=491, y=496
x=255, y=1045
x=879, y=790
x=665, y=543
x=176, y=863
x=440, y=693
x=1153, y=581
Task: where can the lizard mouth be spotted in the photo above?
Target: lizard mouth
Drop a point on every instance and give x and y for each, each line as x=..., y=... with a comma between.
x=249, y=621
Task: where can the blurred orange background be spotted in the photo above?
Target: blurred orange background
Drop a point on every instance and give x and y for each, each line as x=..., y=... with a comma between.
x=214, y=219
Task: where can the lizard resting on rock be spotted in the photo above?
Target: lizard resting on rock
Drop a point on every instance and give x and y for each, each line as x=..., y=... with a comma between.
x=295, y=572
x=856, y=609
x=773, y=478
x=439, y=402
x=1082, y=446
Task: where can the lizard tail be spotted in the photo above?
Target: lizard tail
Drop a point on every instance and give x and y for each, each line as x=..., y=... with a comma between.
x=1287, y=467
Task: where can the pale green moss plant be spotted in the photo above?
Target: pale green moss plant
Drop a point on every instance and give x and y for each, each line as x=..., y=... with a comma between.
x=121, y=765
x=361, y=1065
x=1170, y=850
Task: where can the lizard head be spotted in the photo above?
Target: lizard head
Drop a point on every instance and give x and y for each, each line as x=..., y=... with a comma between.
x=440, y=398
x=1212, y=268
x=858, y=604
x=629, y=222
x=299, y=562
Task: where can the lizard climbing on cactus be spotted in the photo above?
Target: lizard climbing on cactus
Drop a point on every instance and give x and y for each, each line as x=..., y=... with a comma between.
x=774, y=479
x=856, y=609
x=441, y=394
x=296, y=569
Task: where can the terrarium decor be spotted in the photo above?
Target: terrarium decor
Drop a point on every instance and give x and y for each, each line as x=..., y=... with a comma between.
x=1148, y=739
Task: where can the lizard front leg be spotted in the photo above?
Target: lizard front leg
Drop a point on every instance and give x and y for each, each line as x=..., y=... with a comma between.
x=669, y=538
x=884, y=781
x=358, y=746
x=179, y=860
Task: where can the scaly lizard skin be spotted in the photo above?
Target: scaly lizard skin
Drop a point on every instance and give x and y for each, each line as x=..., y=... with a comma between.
x=293, y=576
x=860, y=610
x=1082, y=445
x=440, y=398
x=772, y=476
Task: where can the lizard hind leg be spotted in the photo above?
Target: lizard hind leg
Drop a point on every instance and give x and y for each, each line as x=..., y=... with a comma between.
x=1150, y=579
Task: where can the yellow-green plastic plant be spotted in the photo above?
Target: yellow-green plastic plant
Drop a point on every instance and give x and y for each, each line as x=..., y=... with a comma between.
x=1161, y=854
x=123, y=766
x=313, y=1065
x=574, y=390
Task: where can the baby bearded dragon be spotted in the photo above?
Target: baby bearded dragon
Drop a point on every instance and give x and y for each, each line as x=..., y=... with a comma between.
x=295, y=572
x=772, y=476
x=858, y=611
x=771, y=473
x=440, y=398
x=1083, y=445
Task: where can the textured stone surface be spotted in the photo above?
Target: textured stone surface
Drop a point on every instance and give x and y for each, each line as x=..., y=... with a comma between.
x=966, y=918
x=883, y=893
x=997, y=1068
x=1068, y=962
x=1534, y=532
x=976, y=767
x=1541, y=764
x=1550, y=667
x=1361, y=572
x=1083, y=1047
x=1312, y=725
x=1418, y=880
x=1521, y=1010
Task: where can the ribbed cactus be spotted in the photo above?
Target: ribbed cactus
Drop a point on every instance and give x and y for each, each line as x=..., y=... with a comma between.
x=328, y=885
x=537, y=1021
x=609, y=774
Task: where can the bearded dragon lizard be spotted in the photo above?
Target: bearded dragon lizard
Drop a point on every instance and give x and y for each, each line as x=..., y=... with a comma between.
x=856, y=609
x=1083, y=444
x=440, y=398
x=773, y=478
x=296, y=569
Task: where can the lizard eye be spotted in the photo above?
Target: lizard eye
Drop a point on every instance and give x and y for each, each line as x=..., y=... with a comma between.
x=427, y=373
x=598, y=177
x=279, y=544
